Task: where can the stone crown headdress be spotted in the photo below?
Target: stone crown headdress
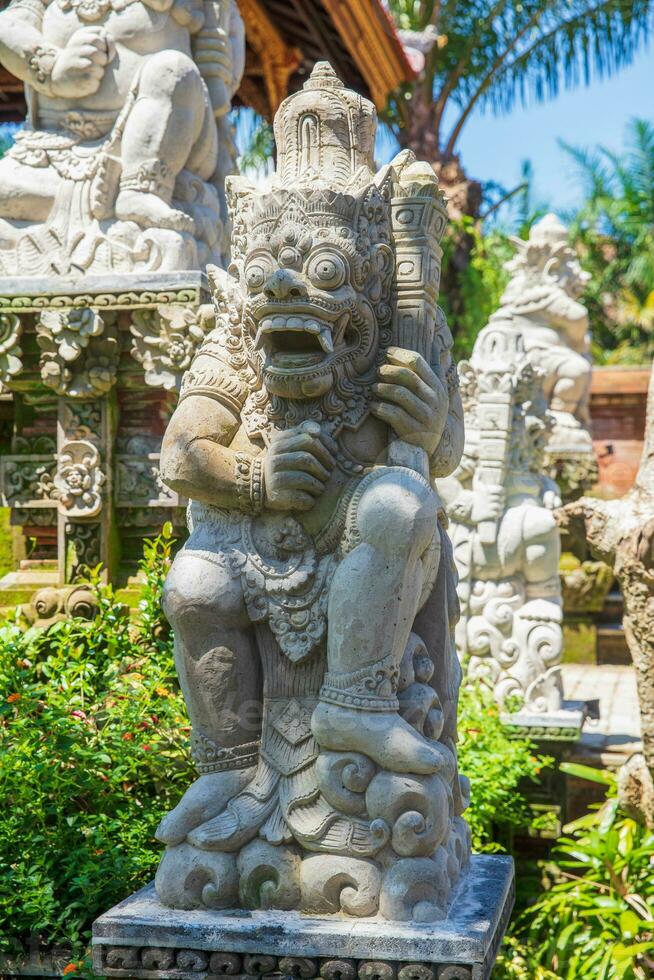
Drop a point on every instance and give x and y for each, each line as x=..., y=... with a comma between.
x=325, y=138
x=547, y=255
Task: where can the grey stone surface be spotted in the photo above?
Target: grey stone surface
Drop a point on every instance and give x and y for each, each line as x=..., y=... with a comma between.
x=564, y=724
x=23, y=293
x=469, y=935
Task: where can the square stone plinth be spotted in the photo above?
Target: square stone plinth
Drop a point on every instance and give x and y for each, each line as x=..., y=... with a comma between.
x=563, y=725
x=142, y=938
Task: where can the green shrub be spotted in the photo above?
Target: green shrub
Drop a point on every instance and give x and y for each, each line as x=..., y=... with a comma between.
x=6, y=551
x=498, y=765
x=92, y=729
x=597, y=920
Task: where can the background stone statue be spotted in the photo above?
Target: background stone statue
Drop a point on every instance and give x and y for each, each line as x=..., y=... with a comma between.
x=542, y=302
x=504, y=532
x=121, y=163
x=314, y=602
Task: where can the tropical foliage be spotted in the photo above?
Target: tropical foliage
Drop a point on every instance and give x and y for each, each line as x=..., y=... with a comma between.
x=614, y=232
x=92, y=752
x=490, y=52
x=498, y=767
x=477, y=279
x=597, y=919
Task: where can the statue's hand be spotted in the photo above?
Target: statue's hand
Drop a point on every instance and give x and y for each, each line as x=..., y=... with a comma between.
x=297, y=465
x=488, y=504
x=413, y=401
x=79, y=67
x=552, y=498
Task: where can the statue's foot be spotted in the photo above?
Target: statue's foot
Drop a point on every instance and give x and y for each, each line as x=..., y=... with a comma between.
x=244, y=814
x=150, y=211
x=202, y=801
x=383, y=736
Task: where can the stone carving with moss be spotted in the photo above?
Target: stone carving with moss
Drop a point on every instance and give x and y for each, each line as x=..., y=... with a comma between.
x=314, y=602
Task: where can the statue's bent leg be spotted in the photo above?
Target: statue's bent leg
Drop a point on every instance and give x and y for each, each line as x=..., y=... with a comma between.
x=162, y=127
x=374, y=598
x=571, y=381
x=219, y=673
x=26, y=193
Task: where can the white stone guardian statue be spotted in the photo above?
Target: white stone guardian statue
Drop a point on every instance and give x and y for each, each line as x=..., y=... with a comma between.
x=120, y=165
x=542, y=302
x=314, y=602
x=504, y=532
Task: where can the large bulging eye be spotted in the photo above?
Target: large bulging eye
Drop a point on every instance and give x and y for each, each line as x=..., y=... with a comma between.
x=327, y=270
x=256, y=272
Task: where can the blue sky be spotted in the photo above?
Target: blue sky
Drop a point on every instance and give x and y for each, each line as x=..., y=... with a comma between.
x=492, y=147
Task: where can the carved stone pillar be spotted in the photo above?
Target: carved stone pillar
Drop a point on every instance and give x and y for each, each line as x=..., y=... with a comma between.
x=90, y=375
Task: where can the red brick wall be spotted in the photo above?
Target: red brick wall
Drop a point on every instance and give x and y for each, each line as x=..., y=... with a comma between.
x=617, y=407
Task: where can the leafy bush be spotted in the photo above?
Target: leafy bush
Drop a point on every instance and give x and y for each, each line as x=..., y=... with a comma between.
x=597, y=920
x=497, y=765
x=473, y=279
x=6, y=555
x=91, y=755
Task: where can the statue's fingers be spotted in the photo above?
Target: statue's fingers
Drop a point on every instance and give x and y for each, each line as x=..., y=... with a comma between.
x=97, y=36
x=100, y=56
x=90, y=52
x=415, y=362
x=295, y=480
x=302, y=501
x=399, y=420
x=413, y=405
x=409, y=379
x=328, y=442
x=314, y=429
x=303, y=442
x=305, y=462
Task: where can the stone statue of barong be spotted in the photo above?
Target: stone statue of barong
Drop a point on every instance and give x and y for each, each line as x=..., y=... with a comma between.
x=121, y=164
x=314, y=602
x=504, y=532
x=541, y=302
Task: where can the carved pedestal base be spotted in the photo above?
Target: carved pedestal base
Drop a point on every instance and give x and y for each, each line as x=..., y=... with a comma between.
x=563, y=725
x=142, y=938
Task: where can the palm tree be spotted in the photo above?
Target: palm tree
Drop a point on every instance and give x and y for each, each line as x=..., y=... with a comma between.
x=614, y=231
x=493, y=52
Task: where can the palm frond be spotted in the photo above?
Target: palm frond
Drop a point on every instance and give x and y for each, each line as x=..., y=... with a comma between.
x=571, y=42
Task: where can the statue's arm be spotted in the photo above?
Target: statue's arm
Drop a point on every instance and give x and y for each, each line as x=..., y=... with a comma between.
x=448, y=453
x=457, y=499
x=24, y=51
x=71, y=72
x=196, y=460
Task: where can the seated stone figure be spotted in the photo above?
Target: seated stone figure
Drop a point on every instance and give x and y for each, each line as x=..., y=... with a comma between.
x=542, y=301
x=314, y=601
x=120, y=164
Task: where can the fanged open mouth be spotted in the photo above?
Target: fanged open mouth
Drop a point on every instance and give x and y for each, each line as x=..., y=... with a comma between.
x=298, y=340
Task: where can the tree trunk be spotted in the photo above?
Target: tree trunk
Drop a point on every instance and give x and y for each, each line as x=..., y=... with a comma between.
x=621, y=533
x=422, y=136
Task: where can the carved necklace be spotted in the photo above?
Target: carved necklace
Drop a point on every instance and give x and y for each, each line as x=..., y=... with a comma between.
x=92, y=10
